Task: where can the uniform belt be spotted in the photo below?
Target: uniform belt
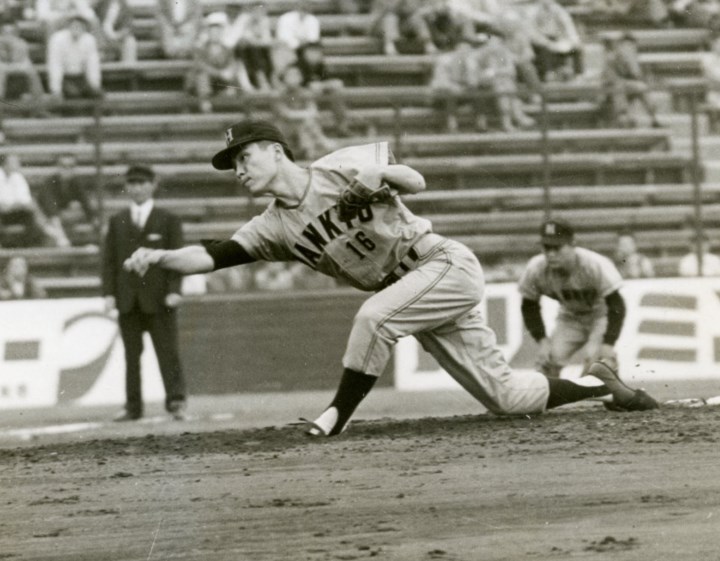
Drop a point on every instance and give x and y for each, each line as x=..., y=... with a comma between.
x=407, y=263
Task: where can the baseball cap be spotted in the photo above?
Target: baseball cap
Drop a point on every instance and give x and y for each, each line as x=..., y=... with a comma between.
x=556, y=232
x=245, y=132
x=139, y=172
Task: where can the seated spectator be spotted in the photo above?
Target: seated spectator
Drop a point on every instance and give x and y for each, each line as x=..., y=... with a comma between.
x=467, y=73
x=231, y=279
x=116, y=24
x=315, y=77
x=13, y=10
x=556, y=41
x=297, y=109
x=16, y=282
x=294, y=32
x=629, y=261
x=73, y=61
x=401, y=20
x=53, y=14
x=17, y=205
x=250, y=36
x=516, y=33
x=215, y=68
x=15, y=62
x=624, y=82
x=180, y=22
x=688, y=265
x=711, y=73
x=63, y=197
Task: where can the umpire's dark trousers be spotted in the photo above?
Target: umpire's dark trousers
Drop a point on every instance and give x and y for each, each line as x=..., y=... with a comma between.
x=163, y=329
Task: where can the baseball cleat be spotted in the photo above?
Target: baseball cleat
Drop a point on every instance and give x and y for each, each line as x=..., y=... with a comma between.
x=629, y=400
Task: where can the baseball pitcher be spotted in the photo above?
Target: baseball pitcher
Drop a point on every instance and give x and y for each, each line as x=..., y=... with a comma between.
x=343, y=216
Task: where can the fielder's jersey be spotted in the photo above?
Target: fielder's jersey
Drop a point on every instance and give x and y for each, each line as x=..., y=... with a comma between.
x=364, y=251
x=582, y=290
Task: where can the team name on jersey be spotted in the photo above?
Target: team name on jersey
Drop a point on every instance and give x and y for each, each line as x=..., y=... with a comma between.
x=326, y=227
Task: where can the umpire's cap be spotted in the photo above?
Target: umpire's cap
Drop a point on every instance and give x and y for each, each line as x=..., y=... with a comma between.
x=240, y=134
x=139, y=173
x=556, y=232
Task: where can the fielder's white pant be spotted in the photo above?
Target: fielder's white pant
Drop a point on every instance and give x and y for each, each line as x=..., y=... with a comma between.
x=439, y=303
x=575, y=333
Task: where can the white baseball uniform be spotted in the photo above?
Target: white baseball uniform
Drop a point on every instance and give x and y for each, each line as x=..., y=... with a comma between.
x=581, y=291
x=425, y=285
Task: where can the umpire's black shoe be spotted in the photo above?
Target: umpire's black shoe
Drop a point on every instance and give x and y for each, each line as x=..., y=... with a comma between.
x=126, y=416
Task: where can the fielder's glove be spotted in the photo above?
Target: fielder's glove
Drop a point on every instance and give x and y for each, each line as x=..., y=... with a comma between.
x=357, y=196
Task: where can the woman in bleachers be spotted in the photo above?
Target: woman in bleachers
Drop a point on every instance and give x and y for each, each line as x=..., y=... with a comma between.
x=53, y=14
x=180, y=22
x=400, y=20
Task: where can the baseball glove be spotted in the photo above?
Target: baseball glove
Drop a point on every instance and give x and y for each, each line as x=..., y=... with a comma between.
x=357, y=196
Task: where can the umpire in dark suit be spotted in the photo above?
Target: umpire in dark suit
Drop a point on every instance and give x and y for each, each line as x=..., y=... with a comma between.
x=145, y=303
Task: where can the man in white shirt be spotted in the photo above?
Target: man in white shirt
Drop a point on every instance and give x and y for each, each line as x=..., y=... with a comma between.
x=73, y=61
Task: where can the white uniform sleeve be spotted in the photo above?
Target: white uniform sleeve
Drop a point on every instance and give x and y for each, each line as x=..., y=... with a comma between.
x=609, y=278
x=261, y=238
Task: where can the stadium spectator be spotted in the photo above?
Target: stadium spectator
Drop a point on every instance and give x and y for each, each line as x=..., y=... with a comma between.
x=15, y=62
x=274, y=276
x=17, y=205
x=629, y=261
x=295, y=32
x=53, y=14
x=116, y=24
x=296, y=107
x=73, y=61
x=624, y=82
x=13, y=10
x=215, y=68
x=556, y=41
x=250, y=36
x=711, y=73
x=688, y=265
x=467, y=73
x=16, y=282
x=63, y=197
x=315, y=77
x=515, y=33
x=400, y=20
x=180, y=22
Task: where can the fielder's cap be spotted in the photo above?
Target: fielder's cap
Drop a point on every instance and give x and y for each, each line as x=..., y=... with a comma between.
x=244, y=133
x=140, y=173
x=556, y=232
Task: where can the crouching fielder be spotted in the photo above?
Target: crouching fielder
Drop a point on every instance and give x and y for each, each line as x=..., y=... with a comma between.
x=343, y=216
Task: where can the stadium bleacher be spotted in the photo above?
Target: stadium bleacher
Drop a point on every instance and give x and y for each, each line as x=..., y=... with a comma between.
x=484, y=188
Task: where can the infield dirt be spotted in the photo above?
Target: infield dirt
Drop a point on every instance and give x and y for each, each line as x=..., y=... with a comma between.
x=570, y=484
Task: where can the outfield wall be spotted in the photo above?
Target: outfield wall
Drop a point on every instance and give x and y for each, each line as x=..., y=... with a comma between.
x=68, y=351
